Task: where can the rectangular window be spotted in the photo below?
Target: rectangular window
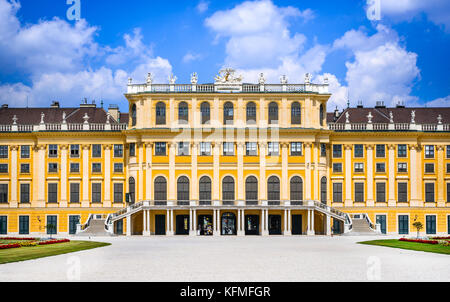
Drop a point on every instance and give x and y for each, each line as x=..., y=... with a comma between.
x=74, y=168
x=251, y=149
x=96, y=168
x=25, y=152
x=74, y=151
x=402, y=151
x=402, y=192
x=52, y=225
x=53, y=193
x=3, y=151
x=403, y=224
x=3, y=193
x=24, y=193
x=359, y=192
x=96, y=151
x=24, y=225
x=52, y=168
x=118, y=168
x=337, y=192
x=448, y=168
x=448, y=151
x=52, y=151
x=429, y=192
x=296, y=149
x=323, y=150
x=183, y=149
x=96, y=192
x=132, y=149
x=160, y=149
x=337, y=167
x=429, y=168
x=74, y=192
x=118, y=151
x=3, y=168
x=337, y=151
x=381, y=191
x=359, y=150
x=205, y=149
x=402, y=167
x=228, y=149
x=25, y=168
x=359, y=167
x=430, y=224
x=429, y=151
x=118, y=193
x=380, y=167
x=381, y=151
x=273, y=149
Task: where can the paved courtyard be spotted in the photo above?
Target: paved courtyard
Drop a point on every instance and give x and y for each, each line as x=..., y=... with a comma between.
x=234, y=259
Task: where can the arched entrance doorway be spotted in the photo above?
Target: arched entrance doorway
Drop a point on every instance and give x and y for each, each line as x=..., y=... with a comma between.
x=228, y=224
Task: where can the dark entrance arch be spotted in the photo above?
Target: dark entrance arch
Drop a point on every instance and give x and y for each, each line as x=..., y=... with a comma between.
x=251, y=225
x=228, y=224
x=274, y=224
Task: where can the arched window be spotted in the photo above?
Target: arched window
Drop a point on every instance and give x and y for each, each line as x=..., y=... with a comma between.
x=132, y=189
x=160, y=189
x=321, y=114
x=206, y=112
x=160, y=113
x=183, y=113
x=228, y=113
x=205, y=189
x=296, y=114
x=273, y=189
x=323, y=190
x=228, y=189
x=251, y=189
x=251, y=113
x=183, y=190
x=296, y=189
x=273, y=113
x=133, y=115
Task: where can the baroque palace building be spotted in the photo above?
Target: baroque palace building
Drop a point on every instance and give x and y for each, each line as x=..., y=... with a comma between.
x=226, y=158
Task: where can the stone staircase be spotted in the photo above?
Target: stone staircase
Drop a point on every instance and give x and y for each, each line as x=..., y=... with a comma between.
x=360, y=227
x=96, y=228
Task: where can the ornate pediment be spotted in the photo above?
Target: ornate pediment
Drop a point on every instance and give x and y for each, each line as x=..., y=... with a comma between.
x=227, y=76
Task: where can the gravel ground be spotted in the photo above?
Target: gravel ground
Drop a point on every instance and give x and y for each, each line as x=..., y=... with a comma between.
x=192, y=259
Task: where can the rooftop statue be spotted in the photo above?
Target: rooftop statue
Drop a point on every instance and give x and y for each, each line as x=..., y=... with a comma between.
x=194, y=78
x=227, y=75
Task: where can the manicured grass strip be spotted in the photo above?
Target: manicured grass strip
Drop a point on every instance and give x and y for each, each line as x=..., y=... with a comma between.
x=424, y=247
x=29, y=253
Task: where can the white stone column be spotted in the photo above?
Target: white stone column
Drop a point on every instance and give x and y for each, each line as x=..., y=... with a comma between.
x=14, y=200
x=141, y=162
x=328, y=225
x=370, y=201
x=289, y=223
x=312, y=231
x=63, y=202
x=191, y=223
x=391, y=176
x=266, y=222
x=167, y=222
x=41, y=175
x=129, y=226
x=440, y=176
x=85, y=201
x=195, y=222
x=308, y=187
x=239, y=232
x=172, y=181
x=172, y=231
x=107, y=193
x=148, y=171
x=413, y=182
x=284, y=171
x=240, y=173
x=148, y=223
x=348, y=176
x=144, y=218
x=214, y=222
x=315, y=166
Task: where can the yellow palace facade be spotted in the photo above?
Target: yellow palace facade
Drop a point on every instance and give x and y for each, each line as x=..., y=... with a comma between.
x=226, y=158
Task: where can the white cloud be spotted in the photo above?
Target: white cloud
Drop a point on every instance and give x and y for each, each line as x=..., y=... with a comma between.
x=56, y=56
x=259, y=40
x=202, y=6
x=437, y=11
x=189, y=57
x=440, y=102
x=382, y=70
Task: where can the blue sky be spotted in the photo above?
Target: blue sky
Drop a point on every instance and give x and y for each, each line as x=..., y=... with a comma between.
x=401, y=57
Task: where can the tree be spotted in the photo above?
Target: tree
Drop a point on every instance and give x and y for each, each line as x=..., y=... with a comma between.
x=418, y=225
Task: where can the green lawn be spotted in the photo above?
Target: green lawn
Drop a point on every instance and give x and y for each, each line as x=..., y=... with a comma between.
x=424, y=247
x=28, y=253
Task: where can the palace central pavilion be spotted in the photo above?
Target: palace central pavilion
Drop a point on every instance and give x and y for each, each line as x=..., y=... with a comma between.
x=225, y=158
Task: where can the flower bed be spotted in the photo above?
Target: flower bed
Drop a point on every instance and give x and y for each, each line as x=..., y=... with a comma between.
x=419, y=241
x=441, y=238
x=53, y=241
x=19, y=238
x=9, y=246
x=29, y=242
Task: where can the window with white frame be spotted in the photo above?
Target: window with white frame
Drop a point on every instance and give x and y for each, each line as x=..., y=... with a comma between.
x=205, y=149
x=251, y=149
x=228, y=149
x=183, y=149
x=273, y=149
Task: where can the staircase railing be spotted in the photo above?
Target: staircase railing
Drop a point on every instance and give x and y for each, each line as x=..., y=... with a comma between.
x=376, y=227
